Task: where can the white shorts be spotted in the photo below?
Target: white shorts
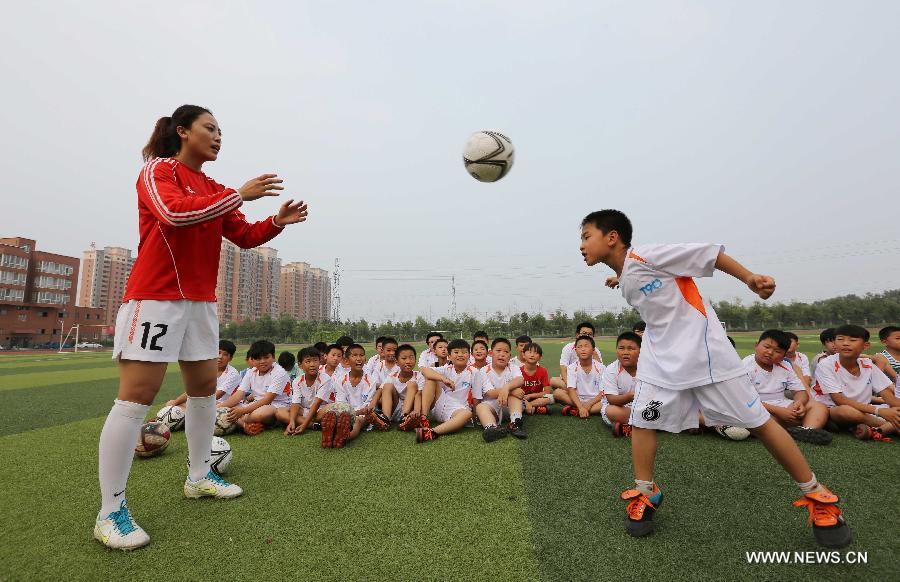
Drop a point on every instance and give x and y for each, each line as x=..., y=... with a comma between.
x=780, y=402
x=166, y=331
x=495, y=408
x=443, y=411
x=603, y=405
x=733, y=402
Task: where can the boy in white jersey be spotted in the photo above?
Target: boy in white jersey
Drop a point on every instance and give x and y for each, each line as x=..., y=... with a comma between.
x=381, y=371
x=480, y=357
x=687, y=363
x=427, y=358
x=568, y=356
x=373, y=362
x=771, y=376
x=582, y=396
x=400, y=399
x=228, y=378
x=267, y=388
x=361, y=391
x=333, y=356
x=888, y=359
x=798, y=359
x=306, y=385
x=849, y=383
x=826, y=338
x=449, y=388
x=617, y=384
x=501, y=389
x=519, y=359
x=441, y=353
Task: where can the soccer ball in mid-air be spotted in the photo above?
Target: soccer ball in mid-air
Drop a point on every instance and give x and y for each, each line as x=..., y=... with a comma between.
x=488, y=156
x=171, y=416
x=152, y=440
x=221, y=455
x=223, y=425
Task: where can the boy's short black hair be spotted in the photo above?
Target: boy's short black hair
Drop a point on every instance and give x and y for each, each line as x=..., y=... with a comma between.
x=379, y=339
x=480, y=342
x=501, y=340
x=344, y=341
x=432, y=334
x=827, y=335
x=777, y=336
x=586, y=337
x=731, y=339
x=261, y=348
x=534, y=347
x=286, y=360
x=586, y=324
x=322, y=347
x=793, y=336
x=227, y=346
x=458, y=344
x=441, y=340
x=405, y=348
x=389, y=340
x=641, y=325
x=630, y=336
x=332, y=347
x=854, y=331
x=523, y=339
x=479, y=333
x=308, y=353
x=883, y=333
x=610, y=220
x=353, y=347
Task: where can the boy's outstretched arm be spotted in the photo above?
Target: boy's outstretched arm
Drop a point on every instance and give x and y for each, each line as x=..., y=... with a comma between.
x=762, y=285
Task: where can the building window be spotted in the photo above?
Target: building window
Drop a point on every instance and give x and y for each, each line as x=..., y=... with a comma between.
x=12, y=294
x=14, y=261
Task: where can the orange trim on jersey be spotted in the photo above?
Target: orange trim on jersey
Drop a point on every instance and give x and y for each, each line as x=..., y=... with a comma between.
x=690, y=293
x=636, y=257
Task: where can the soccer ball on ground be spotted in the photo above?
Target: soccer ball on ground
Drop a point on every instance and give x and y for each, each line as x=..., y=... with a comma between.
x=223, y=425
x=488, y=156
x=221, y=455
x=152, y=440
x=171, y=416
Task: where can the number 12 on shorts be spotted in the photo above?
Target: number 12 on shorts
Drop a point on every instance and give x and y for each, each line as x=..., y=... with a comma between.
x=163, y=328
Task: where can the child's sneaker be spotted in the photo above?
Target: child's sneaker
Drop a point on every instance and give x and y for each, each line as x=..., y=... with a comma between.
x=805, y=434
x=425, y=434
x=493, y=433
x=829, y=527
x=515, y=428
x=409, y=422
x=379, y=421
x=569, y=410
x=640, y=511
x=119, y=531
x=329, y=421
x=423, y=422
x=342, y=431
x=864, y=432
x=211, y=486
x=734, y=433
x=542, y=410
x=253, y=428
x=620, y=429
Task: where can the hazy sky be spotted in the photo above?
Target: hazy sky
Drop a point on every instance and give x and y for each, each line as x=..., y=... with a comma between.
x=769, y=126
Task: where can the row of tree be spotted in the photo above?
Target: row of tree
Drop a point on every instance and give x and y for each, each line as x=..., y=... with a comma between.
x=873, y=309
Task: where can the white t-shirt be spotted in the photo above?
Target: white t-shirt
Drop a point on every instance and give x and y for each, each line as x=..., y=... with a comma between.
x=616, y=380
x=359, y=395
x=832, y=377
x=381, y=372
x=276, y=381
x=400, y=386
x=370, y=365
x=569, y=357
x=303, y=394
x=427, y=359
x=685, y=345
x=771, y=385
x=494, y=380
x=468, y=381
x=227, y=382
x=802, y=362
x=516, y=362
x=586, y=384
x=489, y=360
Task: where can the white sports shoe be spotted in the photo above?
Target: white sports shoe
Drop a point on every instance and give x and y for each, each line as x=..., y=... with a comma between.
x=119, y=531
x=211, y=486
x=735, y=433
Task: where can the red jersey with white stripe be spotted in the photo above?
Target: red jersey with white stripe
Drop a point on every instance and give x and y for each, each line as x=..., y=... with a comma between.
x=182, y=217
x=685, y=345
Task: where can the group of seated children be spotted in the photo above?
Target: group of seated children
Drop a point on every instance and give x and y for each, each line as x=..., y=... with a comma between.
x=333, y=388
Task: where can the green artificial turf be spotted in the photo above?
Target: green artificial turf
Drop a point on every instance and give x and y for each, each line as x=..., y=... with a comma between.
x=386, y=508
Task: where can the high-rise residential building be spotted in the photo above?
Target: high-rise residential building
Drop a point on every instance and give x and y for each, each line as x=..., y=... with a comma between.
x=244, y=287
x=104, y=274
x=305, y=292
x=37, y=296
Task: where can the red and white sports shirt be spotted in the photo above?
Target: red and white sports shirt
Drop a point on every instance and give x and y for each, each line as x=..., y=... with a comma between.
x=832, y=377
x=182, y=217
x=685, y=345
x=616, y=380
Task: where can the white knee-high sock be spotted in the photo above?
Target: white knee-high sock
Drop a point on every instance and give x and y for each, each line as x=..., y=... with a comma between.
x=117, y=441
x=199, y=423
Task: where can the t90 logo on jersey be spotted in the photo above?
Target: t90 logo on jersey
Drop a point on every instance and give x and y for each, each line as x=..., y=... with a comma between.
x=651, y=287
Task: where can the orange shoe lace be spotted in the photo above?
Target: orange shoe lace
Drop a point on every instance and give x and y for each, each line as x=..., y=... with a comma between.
x=820, y=514
x=876, y=435
x=638, y=503
x=626, y=430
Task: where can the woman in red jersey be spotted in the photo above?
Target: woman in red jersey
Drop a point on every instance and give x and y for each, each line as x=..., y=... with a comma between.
x=169, y=309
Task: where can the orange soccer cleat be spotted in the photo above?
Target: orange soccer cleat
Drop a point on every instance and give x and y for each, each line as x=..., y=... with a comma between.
x=829, y=527
x=640, y=511
x=329, y=421
x=343, y=430
x=253, y=428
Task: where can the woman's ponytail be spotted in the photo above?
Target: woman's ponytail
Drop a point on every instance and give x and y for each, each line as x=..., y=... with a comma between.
x=164, y=141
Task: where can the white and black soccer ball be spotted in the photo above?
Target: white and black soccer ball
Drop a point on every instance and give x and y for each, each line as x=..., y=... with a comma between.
x=223, y=425
x=221, y=455
x=488, y=156
x=172, y=417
